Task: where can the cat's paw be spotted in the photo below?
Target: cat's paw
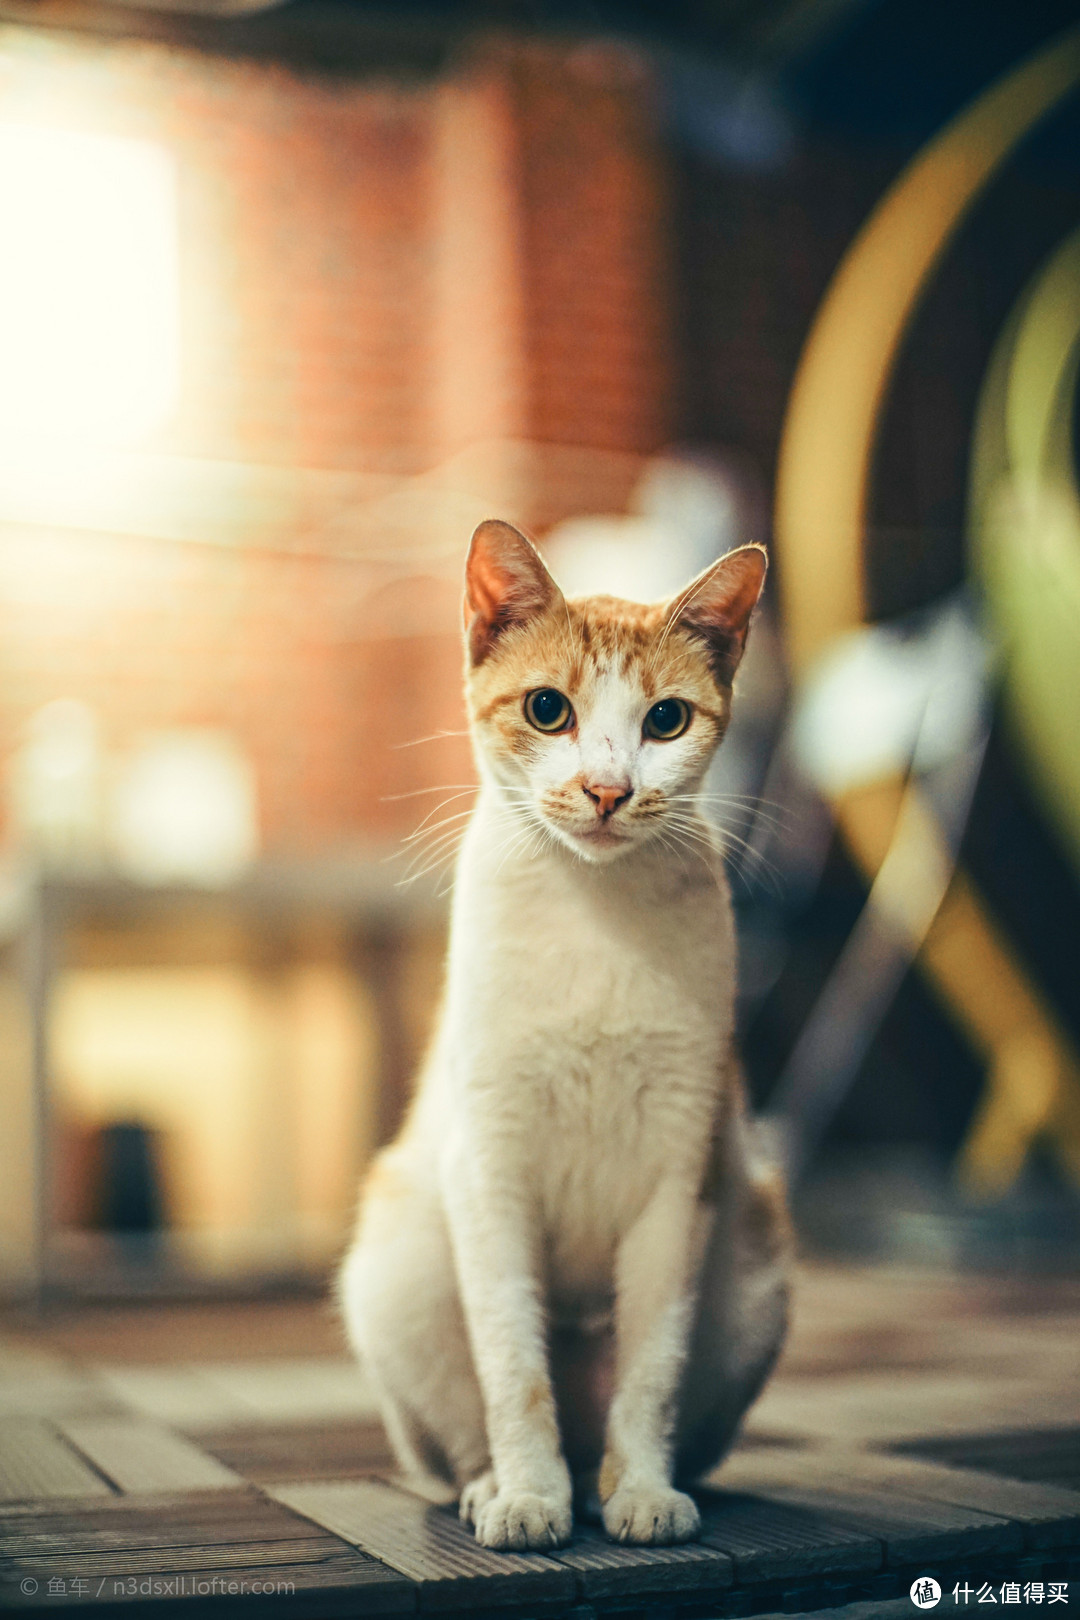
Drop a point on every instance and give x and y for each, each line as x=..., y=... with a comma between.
x=520, y=1521
x=650, y=1515
x=476, y=1496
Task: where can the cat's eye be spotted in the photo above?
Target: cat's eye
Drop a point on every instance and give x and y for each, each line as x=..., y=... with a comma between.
x=548, y=710
x=667, y=719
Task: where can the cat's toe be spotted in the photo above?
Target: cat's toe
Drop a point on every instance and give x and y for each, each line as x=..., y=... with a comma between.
x=476, y=1496
x=520, y=1521
x=651, y=1515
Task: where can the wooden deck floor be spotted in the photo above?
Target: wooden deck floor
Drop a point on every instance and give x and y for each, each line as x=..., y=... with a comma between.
x=917, y=1427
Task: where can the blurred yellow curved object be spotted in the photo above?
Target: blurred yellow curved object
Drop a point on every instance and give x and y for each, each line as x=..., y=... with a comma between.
x=1025, y=528
x=1033, y=1084
x=832, y=412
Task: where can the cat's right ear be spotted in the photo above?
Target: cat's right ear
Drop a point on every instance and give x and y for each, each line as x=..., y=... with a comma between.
x=506, y=584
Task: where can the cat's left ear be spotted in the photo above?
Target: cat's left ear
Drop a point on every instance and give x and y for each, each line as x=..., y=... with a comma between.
x=506, y=584
x=718, y=604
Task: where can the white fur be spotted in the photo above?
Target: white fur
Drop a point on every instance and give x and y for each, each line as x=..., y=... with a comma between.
x=551, y=1170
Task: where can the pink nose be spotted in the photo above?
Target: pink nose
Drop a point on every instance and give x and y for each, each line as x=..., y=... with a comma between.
x=607, y=796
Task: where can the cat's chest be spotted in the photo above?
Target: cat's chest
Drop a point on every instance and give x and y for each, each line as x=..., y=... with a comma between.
x=597, y=1035
x=608, y=1118
x=560, y=966
x=589, y=1031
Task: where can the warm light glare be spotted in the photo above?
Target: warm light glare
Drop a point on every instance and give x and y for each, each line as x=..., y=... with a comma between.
x=89, y=303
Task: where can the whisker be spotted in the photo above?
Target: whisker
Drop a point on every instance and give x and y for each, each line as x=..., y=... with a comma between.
x=441, y=787
x=423, y=834
x=414, y=877
x=417, y=877
x=425, y=846
x=737, y=852
x=427, y=826
x=747, y=858
x=692, y=829
x=670, y=844
x=763, y=809
x=436, y=736
x=733, y=798
x=701, y=852
x=678, y=608
x=727, y=831
x=512, y=845
x=435, y=811
x=572, y=653
x=428, y=858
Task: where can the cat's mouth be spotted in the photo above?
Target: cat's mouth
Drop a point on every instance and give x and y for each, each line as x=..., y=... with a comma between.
x=600, y=836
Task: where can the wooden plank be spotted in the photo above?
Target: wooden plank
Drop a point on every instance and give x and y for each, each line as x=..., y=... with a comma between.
x=151, y=1560
x=605, y=1569
x=302, y=1451
x=1041, y=1516
x=910, y=1531
x=35, y=1464
x=344, y=1583
x=125, y=1522
x=142, y=1457
x=826, y=1482
x=768, y=1541
x=429, y=1545
x=1048, y=1515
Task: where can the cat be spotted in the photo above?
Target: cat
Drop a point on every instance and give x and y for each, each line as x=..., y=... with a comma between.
x=570, y=1268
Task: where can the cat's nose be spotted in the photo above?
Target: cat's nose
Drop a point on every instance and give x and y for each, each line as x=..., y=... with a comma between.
x=608, y=796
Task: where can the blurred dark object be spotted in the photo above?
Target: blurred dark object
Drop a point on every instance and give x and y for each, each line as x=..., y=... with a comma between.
x=130, y=1197
x=1045, y=1456
x=900, y=1204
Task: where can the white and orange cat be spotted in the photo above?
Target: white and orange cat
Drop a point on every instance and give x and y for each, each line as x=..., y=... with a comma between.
x=570, y=1268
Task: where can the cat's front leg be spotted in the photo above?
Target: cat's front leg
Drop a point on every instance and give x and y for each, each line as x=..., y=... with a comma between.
x=656, y=1274
x=495, y=1255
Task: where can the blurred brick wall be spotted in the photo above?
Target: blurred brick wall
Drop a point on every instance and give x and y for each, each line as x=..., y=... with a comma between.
x=375, y=276
x=596, y=243
x=758, y=249
x=156, y=635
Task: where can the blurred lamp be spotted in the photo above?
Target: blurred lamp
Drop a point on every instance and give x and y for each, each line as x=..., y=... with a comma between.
x=888, y=697
x=89, y=301
x=184, y=810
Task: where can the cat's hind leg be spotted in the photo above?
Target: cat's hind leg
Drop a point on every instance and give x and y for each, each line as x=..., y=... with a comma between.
x=741, y=1315
x=399, y=1297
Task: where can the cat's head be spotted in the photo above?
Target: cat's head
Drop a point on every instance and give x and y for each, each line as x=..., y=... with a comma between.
x=598, y=716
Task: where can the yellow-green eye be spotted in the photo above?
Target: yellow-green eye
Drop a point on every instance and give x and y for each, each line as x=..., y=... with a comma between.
x=548, y=710
x=667, y=719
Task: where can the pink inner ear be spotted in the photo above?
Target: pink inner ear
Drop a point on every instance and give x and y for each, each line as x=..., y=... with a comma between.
x=732, y=593
x=506, y=583
x=488, y=586
x=504, y=576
